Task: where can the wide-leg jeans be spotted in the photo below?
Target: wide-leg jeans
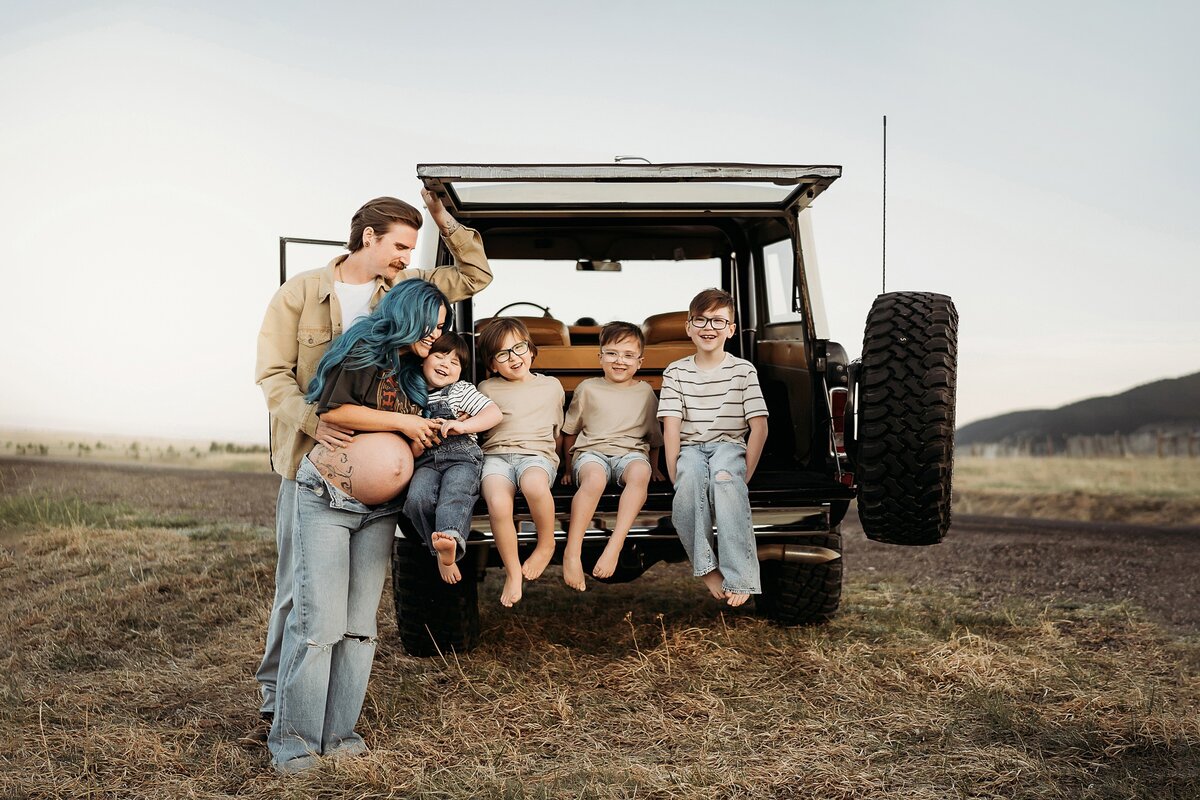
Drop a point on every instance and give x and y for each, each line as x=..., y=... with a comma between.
x=268, y=670
x=443, y=491
x=710, y=482
x=341, y=552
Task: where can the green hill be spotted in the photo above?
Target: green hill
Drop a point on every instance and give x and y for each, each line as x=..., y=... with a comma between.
x=1169, y=405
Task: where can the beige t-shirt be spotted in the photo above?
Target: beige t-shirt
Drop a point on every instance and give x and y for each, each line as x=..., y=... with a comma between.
x=613, y=419
x=533, y=416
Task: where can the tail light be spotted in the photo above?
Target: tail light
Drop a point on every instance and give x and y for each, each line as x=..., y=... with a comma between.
x=837, y=413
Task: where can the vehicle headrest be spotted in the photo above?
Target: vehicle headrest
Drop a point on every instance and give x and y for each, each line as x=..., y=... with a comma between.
x=668, y=327
x=542, y=330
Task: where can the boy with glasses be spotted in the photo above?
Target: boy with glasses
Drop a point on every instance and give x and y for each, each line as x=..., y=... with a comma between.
x=520, y=452
x=610, y=435
x=708, y=403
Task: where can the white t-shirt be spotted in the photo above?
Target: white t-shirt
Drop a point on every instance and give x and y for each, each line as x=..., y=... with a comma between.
x=355, y=300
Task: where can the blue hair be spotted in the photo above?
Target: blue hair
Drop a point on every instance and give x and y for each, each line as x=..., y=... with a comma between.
x=405, y=315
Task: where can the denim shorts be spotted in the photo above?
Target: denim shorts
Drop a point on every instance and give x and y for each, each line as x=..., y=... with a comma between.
x=614, y=466
x=513, y=466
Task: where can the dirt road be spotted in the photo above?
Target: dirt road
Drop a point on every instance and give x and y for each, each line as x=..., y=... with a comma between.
x=1055, y=561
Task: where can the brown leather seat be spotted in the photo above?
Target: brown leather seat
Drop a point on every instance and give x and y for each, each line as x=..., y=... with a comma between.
x=668, y=327
x=542, y=330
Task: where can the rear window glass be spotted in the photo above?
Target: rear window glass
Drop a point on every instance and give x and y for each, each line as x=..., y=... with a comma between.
x=638, y=290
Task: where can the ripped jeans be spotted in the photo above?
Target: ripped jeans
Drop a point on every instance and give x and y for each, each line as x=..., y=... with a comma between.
x=341, y=553
x=710, y=482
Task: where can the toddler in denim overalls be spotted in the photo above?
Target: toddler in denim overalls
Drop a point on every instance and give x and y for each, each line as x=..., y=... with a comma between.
x=445, y=483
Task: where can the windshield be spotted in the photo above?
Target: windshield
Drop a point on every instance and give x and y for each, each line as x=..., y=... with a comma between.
x=639, y=290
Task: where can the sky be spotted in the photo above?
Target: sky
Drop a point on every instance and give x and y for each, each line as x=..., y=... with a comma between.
x=1042, y=170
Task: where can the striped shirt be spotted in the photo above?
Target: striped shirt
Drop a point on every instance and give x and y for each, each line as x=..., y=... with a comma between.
x=461, y=397
x=714, y=405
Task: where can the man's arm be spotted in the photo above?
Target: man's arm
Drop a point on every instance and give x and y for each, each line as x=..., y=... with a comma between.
x=471, y=272
x=754, y=446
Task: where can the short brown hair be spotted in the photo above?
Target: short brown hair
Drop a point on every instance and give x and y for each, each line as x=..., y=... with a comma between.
x=379, y=215
x=710, y=299
x=451, y=342
x=493, y=333
x=616, y=331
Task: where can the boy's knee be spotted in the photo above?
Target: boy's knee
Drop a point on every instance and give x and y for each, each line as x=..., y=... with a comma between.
x=636, y=474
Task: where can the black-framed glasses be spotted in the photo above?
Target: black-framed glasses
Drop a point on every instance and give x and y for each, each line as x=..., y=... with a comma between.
x=518, y=349
x=717, y=323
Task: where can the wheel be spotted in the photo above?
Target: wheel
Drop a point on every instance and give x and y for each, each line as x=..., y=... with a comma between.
x=432, y=615
x=545, y=309
x=802, y=594
x=905, y=433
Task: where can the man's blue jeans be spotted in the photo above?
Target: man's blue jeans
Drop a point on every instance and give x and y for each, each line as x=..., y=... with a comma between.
x=340, y=556
x=443, y=491
x=710, y=481
x=281, y=606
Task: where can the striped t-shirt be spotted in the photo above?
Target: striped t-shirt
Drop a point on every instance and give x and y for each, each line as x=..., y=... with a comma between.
x=713, y=404
x=461, y=397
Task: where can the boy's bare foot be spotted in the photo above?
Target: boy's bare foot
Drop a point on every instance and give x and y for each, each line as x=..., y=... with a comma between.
x=573, y=573
x=736, y=600
x=713, y=581
x=445, y=546
x=606, y=565
x=535, y=565
x=450, y=574
x=512, y=591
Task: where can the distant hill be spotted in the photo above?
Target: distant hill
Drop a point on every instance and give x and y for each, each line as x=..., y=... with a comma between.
x=1168, y=405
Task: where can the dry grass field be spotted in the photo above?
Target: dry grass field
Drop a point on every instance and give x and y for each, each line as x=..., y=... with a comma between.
x=132, y=631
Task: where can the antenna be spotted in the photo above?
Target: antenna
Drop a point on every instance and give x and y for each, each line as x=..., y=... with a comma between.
x=883, y=288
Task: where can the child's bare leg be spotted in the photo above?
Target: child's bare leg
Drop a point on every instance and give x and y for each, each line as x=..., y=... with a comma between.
x=498, y=493
x=583, y=507
x=633, y=497
x=715, y=582
x=446, y=546
x=535, y=485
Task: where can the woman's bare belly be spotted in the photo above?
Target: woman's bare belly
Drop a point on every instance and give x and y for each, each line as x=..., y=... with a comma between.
x=372, y=469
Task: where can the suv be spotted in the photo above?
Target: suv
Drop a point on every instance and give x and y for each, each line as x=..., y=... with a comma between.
x=575, y=246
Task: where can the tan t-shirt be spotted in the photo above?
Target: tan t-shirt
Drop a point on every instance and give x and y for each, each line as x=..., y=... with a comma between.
x=533, y=416
x=613, y=419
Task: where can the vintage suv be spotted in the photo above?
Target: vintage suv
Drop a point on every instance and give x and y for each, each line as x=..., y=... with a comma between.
x=575, y=246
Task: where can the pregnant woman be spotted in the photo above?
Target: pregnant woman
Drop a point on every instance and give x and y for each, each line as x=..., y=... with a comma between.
x=369, y=381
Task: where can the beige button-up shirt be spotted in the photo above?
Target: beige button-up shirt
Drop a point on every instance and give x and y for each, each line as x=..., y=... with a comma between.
x=304, y=317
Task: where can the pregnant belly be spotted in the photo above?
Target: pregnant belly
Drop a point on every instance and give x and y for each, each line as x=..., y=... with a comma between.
x=372, y=469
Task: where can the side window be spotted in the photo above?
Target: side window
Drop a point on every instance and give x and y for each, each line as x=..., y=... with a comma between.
x=779, y=270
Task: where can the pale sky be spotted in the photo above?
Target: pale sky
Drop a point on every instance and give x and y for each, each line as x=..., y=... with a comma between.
x=1043, y=170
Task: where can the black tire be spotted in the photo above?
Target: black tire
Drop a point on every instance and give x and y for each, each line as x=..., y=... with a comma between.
x=432, y=615
x=905, y=434
x=802, y=594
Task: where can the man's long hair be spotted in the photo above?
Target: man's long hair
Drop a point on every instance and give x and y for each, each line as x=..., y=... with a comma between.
x=405, y=315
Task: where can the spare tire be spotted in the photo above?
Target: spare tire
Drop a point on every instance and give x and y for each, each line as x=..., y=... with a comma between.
x=904, y=448
x=434, y=617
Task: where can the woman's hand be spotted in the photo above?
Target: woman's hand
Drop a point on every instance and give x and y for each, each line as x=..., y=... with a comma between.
x=425, y=432
x=333, y=436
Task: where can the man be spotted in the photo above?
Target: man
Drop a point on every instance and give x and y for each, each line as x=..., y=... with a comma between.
x=304, y=316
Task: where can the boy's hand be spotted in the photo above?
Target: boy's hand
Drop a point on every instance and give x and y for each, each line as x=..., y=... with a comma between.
x=451, y=427
x=566, y=478
x=656, y=474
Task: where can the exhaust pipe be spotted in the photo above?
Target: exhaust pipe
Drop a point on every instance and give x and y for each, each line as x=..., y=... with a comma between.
x=797, y=553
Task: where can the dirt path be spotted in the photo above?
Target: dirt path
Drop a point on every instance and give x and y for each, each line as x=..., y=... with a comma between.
x=1061, y=562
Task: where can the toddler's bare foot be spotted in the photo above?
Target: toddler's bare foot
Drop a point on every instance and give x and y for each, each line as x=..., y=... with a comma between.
x=445, y=546
x=450, y=574
x=606, y=565
x=512, y=591
x=535, y=565
x=573, y=573
x=736, y=600
x=713, y=581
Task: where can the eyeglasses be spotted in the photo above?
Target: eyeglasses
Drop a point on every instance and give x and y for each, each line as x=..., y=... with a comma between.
x=518, y=349
x=717, y=323
x=613, y=355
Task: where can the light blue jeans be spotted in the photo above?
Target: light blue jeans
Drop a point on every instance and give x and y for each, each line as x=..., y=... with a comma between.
x=281, y=606
x=340, y=555
x=710, y=481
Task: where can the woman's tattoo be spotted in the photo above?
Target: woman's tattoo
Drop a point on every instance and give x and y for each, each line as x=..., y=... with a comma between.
x=334, y=466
